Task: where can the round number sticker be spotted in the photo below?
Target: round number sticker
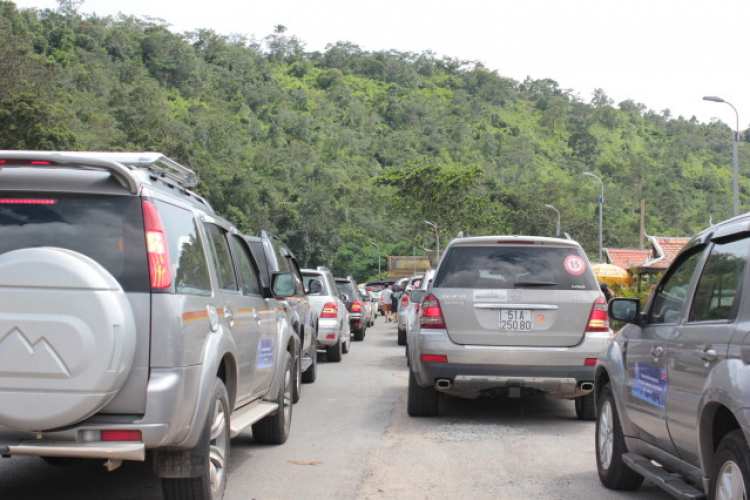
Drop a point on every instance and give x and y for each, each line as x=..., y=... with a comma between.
x=574, y=264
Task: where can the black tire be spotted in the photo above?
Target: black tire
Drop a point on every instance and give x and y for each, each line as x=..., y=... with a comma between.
x=274, y=429
x=297, y=380
x=610, y=447
x=333, y=352
x=585, y=409
x=345, y=346
x=421, y=401
x=731, y=475
x=401, y=336
x=311, y=374
x=213, y=448
x=359, y=334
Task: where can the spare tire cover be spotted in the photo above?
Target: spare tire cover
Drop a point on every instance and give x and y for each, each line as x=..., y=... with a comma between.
x=67, y=338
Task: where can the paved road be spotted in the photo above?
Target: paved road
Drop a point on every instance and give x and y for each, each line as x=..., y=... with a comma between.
x=352, y=439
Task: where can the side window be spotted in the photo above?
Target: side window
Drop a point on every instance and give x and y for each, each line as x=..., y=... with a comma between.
x=717, y=294
x=222, y=258
x=248, y=274
x=671, y=293
x=186, y=252
x=282, y=258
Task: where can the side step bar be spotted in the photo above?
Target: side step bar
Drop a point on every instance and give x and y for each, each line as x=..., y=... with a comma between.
x=667, y=481
x=249, y=414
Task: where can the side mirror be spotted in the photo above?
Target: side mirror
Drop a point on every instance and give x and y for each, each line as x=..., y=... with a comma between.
x=625, y=310
x=315, y=287
x=283, y=285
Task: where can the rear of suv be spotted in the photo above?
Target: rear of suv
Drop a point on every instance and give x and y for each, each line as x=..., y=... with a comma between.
x=132, y=320
x=355, y=304
x=508, y=315
x=333, y=317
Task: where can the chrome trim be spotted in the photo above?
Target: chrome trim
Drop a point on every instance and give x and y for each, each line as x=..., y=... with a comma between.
x=117, y=450
x=537, y=307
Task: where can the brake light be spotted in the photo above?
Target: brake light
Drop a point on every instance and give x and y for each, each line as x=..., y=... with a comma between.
x=121, y=435
x=26, y=162
x=405, y=300
x=159, y=268
x=598, y=319
x=26, y=201
x=330, y=310
x=356, y=306
x=432, y=314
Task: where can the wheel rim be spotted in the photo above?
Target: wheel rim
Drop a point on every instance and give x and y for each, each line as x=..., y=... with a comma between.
x=730, y=485
x=218, y=446
x=606, y=435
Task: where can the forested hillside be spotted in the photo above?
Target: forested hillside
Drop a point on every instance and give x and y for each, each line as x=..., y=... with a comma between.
x=327, y=149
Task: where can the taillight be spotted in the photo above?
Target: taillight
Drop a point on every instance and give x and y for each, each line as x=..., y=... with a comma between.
x=159, y=267
x=598, y=319
x=356, y=306
x=121, y=435
x=330, y=310
x=432, y=315
x=405, y=300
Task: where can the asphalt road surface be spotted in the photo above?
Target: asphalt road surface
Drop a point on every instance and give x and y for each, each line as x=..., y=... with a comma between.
x=352, y=439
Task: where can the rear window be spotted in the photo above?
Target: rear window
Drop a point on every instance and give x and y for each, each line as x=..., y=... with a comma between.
x=348, y=288
x=500, y=267
x=108, y=229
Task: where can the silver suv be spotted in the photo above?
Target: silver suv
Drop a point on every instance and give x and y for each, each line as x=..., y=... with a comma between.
x=133, y=320
x=507, y=315
x=333, y=318
x=672, y=387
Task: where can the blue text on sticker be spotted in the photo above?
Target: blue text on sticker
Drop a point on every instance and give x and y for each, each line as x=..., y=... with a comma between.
x=650, y=384
x=266, y=351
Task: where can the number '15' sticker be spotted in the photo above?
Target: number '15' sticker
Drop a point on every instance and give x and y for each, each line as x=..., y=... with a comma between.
x=574, y=264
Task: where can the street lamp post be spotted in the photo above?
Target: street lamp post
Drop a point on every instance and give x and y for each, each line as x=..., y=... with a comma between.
x=735, y=161
x=601, y=210
x=557, y=227
x=378, y=247
x=437, y=236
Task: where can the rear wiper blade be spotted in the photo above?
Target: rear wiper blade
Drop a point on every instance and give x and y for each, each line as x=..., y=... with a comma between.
x=534, y=283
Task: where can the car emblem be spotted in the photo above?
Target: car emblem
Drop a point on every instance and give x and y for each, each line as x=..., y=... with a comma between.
x=516, y=295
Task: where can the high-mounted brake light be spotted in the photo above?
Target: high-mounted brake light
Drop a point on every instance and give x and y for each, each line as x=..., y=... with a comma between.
x=356, y=306
x=121, y=436
x=330, y=310
x=431, y=315
x=26, y=162
x=159, y=268
x=26, y=201
x=598, y=319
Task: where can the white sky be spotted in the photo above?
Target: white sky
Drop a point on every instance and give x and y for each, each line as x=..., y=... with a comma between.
x=662, y=53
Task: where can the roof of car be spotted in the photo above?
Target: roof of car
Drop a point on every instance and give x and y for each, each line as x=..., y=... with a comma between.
x=514, y=239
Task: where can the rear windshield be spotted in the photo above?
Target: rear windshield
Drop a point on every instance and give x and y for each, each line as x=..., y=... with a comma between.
x=109, y=229
x=348, y=288
x=497, y=267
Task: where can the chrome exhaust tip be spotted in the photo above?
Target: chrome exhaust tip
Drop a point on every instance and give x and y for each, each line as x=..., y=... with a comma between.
x=443, y=384
x=587, y=386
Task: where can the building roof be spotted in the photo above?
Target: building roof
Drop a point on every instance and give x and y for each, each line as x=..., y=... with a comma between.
x=663, y=251
x=626, y=258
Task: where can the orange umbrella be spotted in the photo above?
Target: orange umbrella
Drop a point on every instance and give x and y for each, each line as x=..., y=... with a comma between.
x=611, y=274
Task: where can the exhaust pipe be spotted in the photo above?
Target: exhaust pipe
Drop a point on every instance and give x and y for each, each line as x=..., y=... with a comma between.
x=587, y=386
x=443, y=384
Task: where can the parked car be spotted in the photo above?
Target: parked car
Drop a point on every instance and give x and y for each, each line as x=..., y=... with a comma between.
x=333, y=318
x=371, y=305
x=509, y=315
x=403, y=305
x=273, y=256
x=671, y=387
x=355, y=304
x=133, y=320
x=416, y=297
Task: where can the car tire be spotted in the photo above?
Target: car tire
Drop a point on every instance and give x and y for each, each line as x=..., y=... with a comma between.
x=333, y=352
x=610, y=447
x=421, y=401
x=359, y=334
x=297, y=380
x=731, y=475
x=311, y=374
x=401, y=336
x=213, y=449
x=274, y=429
x=585, y=409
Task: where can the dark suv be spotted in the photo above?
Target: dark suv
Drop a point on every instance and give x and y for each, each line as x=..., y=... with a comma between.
x=672, y=387
x=133, y=320
x=355, y=304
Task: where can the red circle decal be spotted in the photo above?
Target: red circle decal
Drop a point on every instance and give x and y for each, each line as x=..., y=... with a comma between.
x=574, y=264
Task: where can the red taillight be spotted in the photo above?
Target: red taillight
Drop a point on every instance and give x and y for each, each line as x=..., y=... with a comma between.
x=598, y=319
x=27, y=201
x=121, y=435
x=590, y=362
x=434, y=358
x=432, y=315
x=26, y=162
x=405, y=300
x=159, y=267
x=330, y=310
x=356, y=306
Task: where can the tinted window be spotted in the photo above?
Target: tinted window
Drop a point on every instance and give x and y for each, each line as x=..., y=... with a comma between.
x=108, y=229
x=186, y=254
x=717, y=293
x=348, y=288
x=498, y=267
x=248, y=273
x=670, y=295
x=222, y=258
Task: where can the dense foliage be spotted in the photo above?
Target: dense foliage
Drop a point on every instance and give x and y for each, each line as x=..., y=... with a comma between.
x=322, y=148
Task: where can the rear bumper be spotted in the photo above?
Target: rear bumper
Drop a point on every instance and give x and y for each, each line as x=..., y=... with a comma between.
x=328, y=328
x=119, y=451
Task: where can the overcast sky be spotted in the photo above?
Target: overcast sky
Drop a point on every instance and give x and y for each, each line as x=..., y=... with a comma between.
x=662, y=53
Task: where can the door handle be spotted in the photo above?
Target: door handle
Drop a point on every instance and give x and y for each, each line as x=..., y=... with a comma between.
x=709, y=354
x=229, y=315
x=657, y=351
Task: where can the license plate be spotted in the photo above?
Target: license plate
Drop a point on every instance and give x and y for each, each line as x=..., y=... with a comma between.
x=515, y=320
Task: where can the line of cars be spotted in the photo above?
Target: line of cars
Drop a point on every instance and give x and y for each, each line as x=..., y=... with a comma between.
x=135, y=320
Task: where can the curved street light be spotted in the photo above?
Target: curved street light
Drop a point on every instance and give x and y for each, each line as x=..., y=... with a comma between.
x=557, y=227
x=437, y=235
x=735, y=166
x=378, y=247
x=601, y=210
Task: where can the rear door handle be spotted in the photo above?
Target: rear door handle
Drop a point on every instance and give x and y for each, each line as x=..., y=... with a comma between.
x=709, y=354
x=657, y=351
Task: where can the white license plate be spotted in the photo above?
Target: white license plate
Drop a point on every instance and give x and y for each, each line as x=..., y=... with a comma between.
x=515, y=320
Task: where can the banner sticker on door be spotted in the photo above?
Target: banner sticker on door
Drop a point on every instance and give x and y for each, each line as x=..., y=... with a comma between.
x=266, y=351
x=574, y=264
x=650, y=384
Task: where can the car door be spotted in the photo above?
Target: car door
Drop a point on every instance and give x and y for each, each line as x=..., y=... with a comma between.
x=646, y=349
x=701, y=342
